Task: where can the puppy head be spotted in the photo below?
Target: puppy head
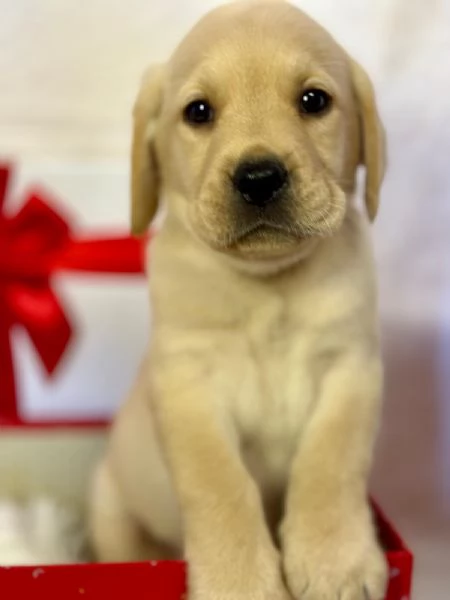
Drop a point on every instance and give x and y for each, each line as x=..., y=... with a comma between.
x=254, y=130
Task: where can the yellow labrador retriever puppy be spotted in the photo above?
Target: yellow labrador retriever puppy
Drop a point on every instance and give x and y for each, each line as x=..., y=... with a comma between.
x=246, y=442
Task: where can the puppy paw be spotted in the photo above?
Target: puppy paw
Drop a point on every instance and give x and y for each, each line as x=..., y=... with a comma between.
x=334, y=563
x=257, y=576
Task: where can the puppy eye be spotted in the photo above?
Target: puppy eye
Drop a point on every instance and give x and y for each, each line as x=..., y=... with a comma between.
x=198, y=112
x=314, y=101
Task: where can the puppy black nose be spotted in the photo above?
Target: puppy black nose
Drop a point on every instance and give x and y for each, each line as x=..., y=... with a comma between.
x=258, y=182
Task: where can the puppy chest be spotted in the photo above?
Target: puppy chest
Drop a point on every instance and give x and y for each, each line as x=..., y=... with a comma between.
x=273, y=396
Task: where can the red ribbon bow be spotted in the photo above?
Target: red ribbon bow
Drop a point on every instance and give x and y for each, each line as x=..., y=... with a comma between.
x=34, y=244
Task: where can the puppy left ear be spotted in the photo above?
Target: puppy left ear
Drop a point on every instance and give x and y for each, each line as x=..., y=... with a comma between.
x=144, y=169
x=373, y=139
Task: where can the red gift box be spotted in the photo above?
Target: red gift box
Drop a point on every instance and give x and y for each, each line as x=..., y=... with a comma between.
x=36, y=243
x=161, y=580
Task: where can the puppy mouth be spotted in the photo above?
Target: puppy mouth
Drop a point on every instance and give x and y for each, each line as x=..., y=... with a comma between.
x=265, y=239
x=283, y=228
x=279, y=229
x=265, y=231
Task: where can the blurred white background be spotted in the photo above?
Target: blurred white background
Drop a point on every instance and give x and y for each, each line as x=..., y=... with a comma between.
x=69, y=71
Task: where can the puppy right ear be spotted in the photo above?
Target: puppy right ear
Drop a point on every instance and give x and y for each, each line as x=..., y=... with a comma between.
x=144, y=169
x=373, y=139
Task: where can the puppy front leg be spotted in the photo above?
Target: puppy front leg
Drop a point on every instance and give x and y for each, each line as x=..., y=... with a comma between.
x=227, y=543
x=329, y=544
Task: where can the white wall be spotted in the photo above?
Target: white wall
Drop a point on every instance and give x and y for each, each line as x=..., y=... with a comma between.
x=69, y=70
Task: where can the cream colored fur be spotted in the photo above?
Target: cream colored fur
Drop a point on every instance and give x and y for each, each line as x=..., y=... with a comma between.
x=246, y=442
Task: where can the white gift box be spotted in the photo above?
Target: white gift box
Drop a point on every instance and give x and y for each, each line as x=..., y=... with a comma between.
x=108, y=312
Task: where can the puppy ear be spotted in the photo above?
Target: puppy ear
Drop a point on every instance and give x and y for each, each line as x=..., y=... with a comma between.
x=144, y=171
x=373, y=140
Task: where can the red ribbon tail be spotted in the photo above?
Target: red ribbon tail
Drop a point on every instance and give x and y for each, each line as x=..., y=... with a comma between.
x=39, y=311
x=8, y=405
